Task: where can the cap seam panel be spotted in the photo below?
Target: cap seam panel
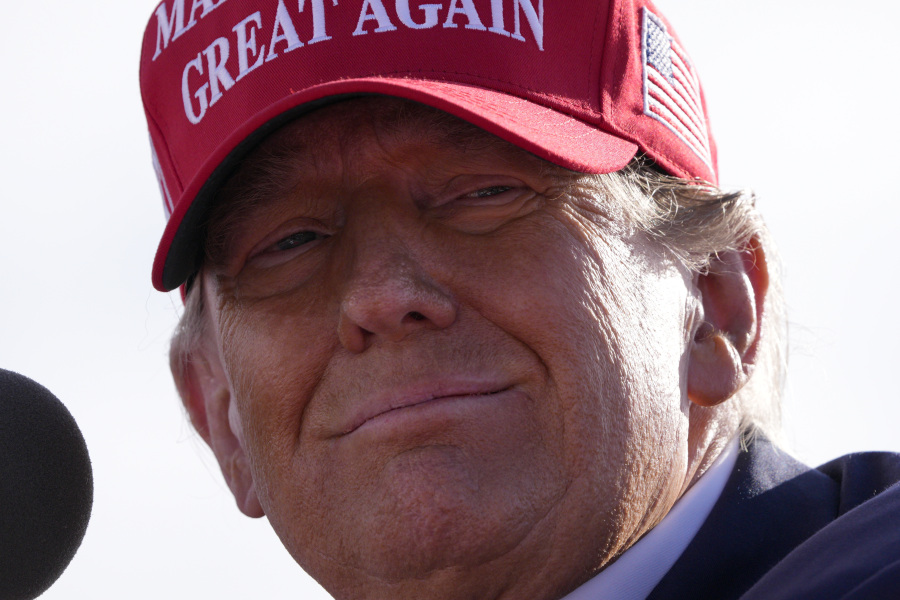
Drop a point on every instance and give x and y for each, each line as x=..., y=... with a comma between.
x=599, y=86
x=151, y=117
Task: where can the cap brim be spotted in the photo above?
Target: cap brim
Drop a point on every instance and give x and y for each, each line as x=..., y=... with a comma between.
x=549, y=134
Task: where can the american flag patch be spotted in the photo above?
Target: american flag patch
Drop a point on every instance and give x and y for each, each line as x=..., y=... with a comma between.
x=672, y=89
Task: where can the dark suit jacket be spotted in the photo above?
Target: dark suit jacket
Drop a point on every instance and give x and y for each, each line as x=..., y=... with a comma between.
x=782, y=530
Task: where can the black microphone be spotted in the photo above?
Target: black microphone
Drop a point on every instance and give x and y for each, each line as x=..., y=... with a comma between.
x=46, y=487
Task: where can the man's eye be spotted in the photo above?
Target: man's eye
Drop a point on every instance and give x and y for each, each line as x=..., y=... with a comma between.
x=490, y=191
x=297, y=239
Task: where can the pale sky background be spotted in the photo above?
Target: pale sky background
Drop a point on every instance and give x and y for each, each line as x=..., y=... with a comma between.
x=803, y=98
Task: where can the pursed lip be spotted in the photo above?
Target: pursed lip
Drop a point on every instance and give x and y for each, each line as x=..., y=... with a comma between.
x=409, y=396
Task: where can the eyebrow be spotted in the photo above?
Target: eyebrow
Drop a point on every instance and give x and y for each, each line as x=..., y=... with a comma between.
x=249, y=186
x=272, y=169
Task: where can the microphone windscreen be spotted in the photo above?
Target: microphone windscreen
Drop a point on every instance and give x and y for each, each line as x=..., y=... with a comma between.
x=46, y=487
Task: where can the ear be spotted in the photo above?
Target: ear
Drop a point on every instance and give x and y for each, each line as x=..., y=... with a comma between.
x=206, y=395
x=726, y=339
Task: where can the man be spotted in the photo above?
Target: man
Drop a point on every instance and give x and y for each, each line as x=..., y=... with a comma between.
x=466, y=316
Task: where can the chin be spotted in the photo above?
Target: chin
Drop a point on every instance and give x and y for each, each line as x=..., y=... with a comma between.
x=439, y=511
x=433, y=512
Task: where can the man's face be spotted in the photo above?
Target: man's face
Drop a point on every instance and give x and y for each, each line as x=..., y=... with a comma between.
x=444, y=354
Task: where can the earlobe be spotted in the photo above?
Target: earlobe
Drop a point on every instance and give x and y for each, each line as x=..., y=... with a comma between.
x=716, y=371
x=725, y=341
x=206, y=395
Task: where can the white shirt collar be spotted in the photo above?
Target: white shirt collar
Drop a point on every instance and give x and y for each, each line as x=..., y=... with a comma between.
x=637, y=571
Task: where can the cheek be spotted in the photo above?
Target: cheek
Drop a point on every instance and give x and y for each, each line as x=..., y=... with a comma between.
x=553, y=293
x=607, y=325
x=555, y=296
x=275, y=354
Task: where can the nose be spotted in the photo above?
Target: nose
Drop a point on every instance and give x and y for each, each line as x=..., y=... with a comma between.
x=388, y=296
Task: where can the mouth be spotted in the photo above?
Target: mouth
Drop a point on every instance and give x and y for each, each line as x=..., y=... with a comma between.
x=388, y=406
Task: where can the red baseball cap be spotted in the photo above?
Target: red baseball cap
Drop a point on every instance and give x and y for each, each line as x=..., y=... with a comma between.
x=584, y=84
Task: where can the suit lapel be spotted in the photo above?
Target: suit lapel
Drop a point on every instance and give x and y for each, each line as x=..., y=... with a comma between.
x=770, y=505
